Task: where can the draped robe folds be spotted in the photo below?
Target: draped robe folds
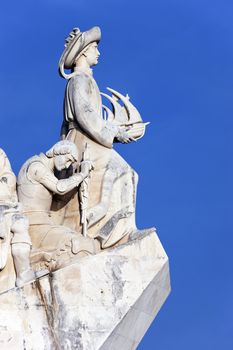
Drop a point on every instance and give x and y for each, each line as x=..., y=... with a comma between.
x=113, y=182
x=9, y=206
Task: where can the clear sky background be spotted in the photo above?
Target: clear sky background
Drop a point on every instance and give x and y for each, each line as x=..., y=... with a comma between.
x=175, y=59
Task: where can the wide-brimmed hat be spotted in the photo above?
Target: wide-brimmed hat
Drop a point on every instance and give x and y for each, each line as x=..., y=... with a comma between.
x=75, y=43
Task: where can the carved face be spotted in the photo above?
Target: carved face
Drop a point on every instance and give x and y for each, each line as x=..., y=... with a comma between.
x=92, y=54
x=63, y=161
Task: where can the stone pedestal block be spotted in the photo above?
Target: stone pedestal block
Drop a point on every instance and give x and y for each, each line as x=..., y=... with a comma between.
x=106, y=301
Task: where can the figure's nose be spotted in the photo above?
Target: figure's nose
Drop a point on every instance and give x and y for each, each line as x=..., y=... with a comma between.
x=98, y=53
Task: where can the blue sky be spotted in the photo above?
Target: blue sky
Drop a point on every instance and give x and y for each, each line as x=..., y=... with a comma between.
x=175, y=59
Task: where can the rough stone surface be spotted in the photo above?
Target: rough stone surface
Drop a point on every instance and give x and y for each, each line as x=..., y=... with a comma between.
x=87, y=278
x=106, y=301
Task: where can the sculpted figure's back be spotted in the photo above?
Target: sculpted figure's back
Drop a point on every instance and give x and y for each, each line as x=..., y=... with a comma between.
x=53, y=245
x=112, y=183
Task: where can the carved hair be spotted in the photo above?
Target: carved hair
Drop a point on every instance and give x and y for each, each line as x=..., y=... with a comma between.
x=63, y=147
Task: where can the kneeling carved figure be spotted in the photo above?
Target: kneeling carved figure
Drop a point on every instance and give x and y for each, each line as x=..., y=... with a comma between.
x=53, y=245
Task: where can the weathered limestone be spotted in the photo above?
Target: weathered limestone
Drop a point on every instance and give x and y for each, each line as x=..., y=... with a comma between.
x=110, y=213
x=15, y=243
x=92, y=280
x=106, y=301
x=53, y=245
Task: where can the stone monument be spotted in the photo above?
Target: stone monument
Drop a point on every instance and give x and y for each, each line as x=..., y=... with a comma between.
x=76, y=273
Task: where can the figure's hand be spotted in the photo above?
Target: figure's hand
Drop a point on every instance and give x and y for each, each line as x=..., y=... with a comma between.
x=86, y=166
x=123, y=137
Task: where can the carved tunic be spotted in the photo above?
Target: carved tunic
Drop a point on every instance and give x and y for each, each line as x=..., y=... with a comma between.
x=51, y=241
x=84, y=124
x=36, y=186
x=83, y=107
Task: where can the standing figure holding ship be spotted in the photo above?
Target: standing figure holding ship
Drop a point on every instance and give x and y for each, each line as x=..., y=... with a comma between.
x=112, y=184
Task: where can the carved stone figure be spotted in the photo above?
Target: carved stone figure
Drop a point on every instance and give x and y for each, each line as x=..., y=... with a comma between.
x=53, y=245
x=112, y=184
x=99, y=280
x=14, y=238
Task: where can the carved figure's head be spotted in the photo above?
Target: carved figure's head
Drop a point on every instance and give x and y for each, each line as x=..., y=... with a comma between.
x=78, y=44
x=64, y=153
x=91, y=54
